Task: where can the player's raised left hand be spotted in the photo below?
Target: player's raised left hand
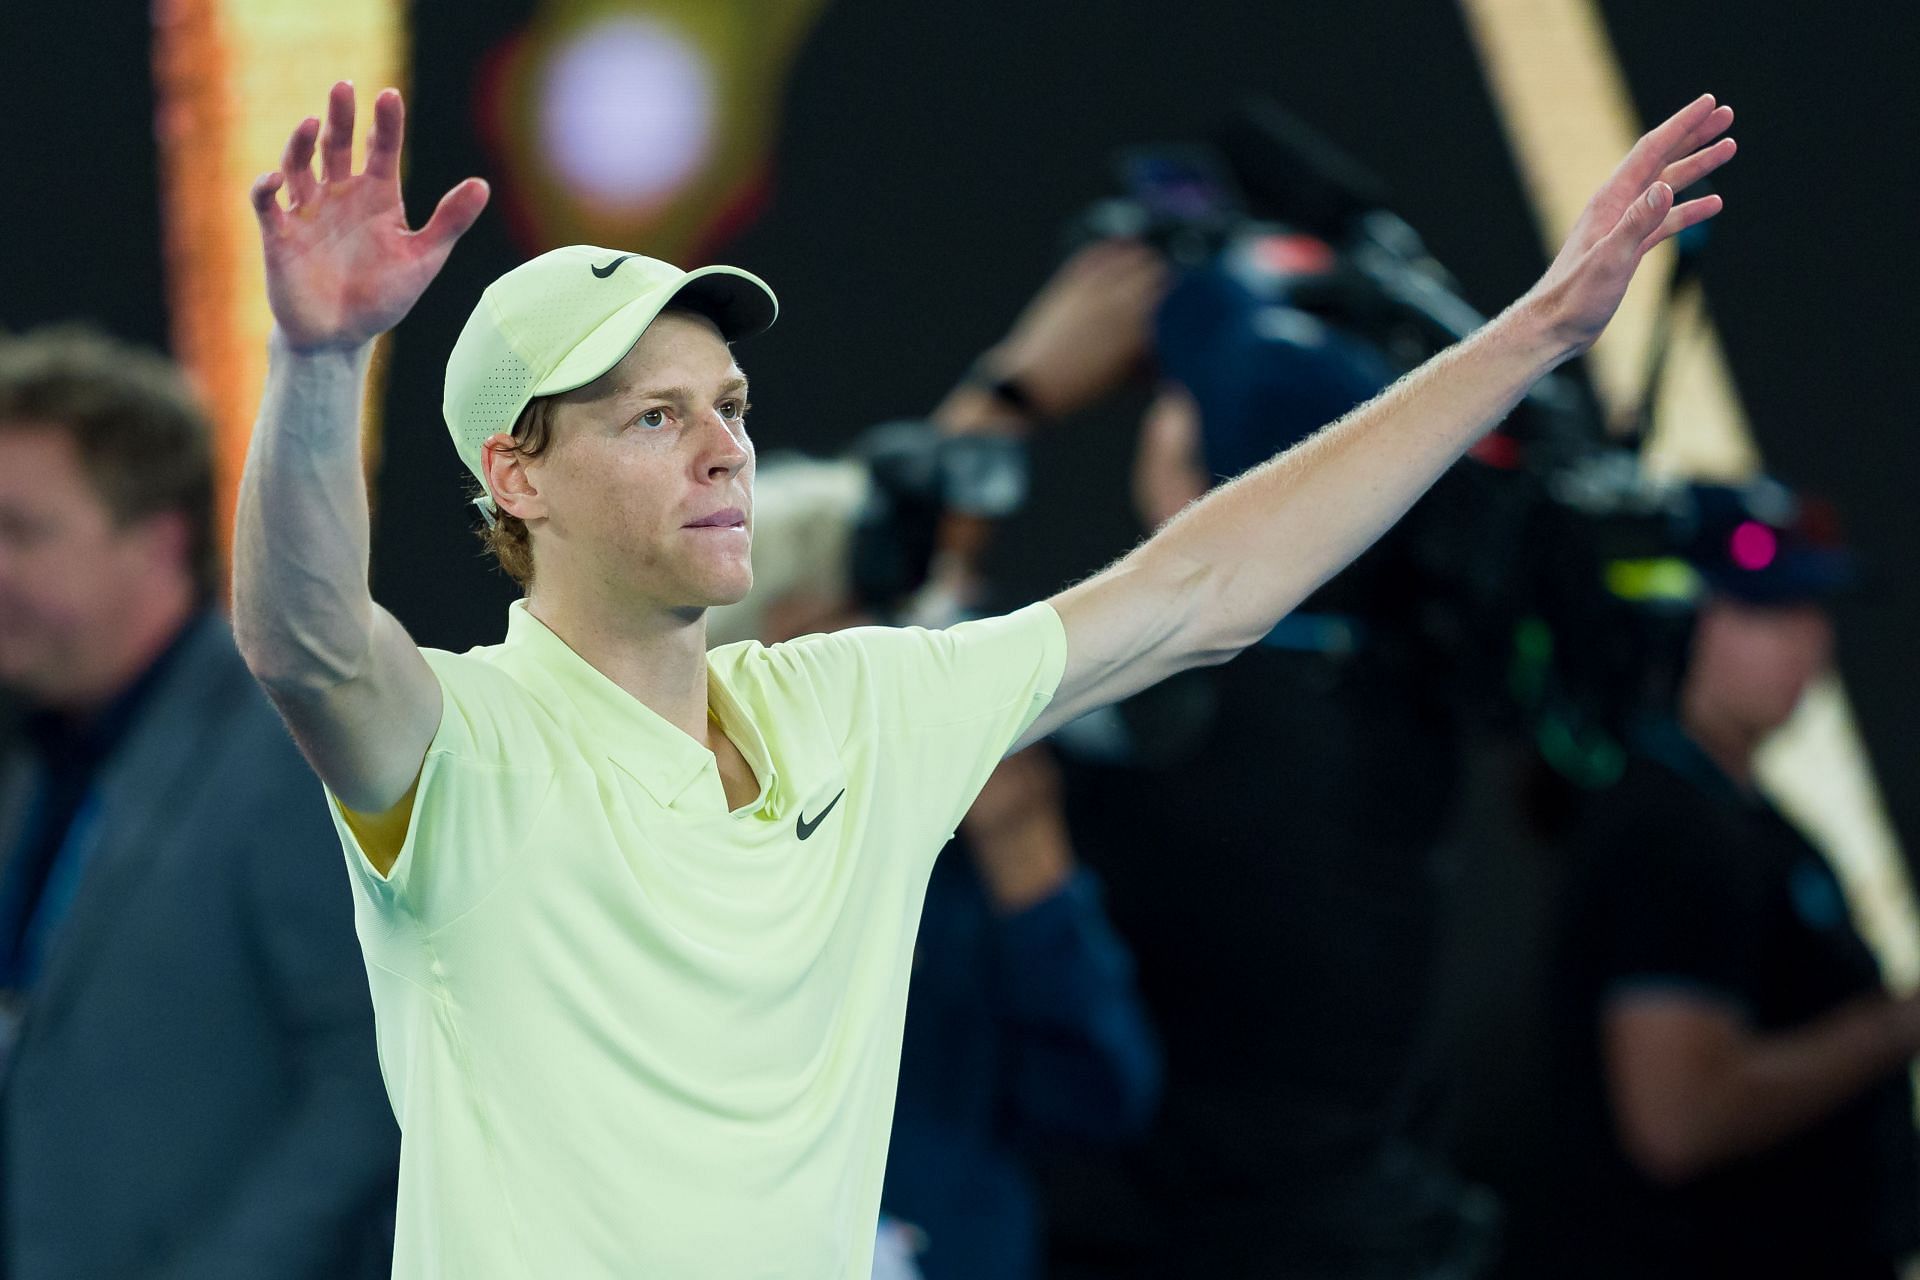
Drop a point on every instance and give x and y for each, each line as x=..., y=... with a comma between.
x=1630, y=214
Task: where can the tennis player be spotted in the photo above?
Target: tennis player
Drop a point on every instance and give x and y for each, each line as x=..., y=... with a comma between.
x=638, y=917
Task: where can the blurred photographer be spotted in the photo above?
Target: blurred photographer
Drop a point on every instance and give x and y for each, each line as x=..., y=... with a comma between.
x=1287, y=953
x=1024, y=1029
x=1733, y=1075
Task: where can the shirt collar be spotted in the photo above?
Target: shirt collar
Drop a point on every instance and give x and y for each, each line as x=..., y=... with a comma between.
x=661, y=757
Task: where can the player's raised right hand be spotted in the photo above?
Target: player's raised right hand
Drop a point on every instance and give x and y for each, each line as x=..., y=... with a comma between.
x=342, y=267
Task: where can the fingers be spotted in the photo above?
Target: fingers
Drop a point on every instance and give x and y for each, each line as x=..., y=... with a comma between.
x=1685, y=131
x=1680, y=217
x=1634, y=233
x=456, y=211
x=1716, y=122
x=1143, y=283
x=296, y=162
x=1677, y=130
x=261, y=196
x=389, y=129
x=1682, y=174
x=336, y=140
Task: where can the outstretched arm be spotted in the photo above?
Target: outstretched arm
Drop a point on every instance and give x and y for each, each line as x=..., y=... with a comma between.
x=1083, y=334
x=1218, y=577
x=342, y=268
x=1693, y=1086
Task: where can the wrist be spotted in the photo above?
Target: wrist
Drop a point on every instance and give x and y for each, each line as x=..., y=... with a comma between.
x=993, y=395
x=283, y=347
x=1534, y=330
x=1007, y=384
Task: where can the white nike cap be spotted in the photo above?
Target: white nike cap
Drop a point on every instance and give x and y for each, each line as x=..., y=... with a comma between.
x=563, y=319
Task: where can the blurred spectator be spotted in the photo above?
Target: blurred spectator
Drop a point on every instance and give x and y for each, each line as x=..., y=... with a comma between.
x=1023, y=1025
x=191, y=1087
x=1733, y=1075
x=1269, y=830
x=1023, y=1030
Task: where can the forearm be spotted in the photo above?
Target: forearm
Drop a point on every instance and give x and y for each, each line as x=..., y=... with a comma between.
x=1238, y=560
x=1787, y=1081
x=303, y=614
x=1764, y=1089
x=1023, y=857
x=1083, y=1061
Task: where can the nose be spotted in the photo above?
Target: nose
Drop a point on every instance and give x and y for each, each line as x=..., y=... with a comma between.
x=724, y=447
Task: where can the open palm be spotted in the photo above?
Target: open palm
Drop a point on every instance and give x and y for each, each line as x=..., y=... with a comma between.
x=1630, y=214
x=342, y=266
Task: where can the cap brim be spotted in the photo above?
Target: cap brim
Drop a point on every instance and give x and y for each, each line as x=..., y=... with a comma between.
x=738, y=302
x=1802, y=575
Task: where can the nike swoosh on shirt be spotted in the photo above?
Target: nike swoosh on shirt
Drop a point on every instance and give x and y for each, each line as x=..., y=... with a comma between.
x=803, y=828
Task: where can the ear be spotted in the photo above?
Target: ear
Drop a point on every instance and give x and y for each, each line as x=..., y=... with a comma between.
x=509, y=478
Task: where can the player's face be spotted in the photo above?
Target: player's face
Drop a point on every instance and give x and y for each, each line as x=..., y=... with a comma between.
x=648, y=485
x=67, y=570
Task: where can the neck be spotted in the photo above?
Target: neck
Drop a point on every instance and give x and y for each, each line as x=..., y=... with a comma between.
x=1728, y=742
x=657, y=655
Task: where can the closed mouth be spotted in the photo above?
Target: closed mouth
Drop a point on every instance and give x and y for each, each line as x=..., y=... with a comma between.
x=731, y=518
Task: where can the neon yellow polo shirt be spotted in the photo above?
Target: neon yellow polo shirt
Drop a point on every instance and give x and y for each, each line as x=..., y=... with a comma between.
x=628, y=1032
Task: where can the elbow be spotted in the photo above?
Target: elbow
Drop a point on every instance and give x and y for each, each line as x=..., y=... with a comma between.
x=295, y=667
x=1210, y=649
x=1217, y=615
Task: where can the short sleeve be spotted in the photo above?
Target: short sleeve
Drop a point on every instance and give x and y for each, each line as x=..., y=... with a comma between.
x=485, y=775
x=934, y=710
x=1671, y=909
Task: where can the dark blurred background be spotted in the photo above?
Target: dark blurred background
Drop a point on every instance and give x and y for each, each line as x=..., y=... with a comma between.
x=921, y=172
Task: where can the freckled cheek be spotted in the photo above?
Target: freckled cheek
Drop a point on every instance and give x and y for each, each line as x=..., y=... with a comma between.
x=638, y=521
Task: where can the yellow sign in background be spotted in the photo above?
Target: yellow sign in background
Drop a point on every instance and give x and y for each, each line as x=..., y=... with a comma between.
x=1569, y=118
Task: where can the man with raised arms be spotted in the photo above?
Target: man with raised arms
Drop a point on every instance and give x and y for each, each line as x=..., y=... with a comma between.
x=637, y=916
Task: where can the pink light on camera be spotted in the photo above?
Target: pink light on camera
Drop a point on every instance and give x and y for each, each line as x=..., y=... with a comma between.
x=1753, y=545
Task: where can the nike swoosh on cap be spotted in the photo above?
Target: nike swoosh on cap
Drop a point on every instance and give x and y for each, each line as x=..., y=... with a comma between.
x=611, y=267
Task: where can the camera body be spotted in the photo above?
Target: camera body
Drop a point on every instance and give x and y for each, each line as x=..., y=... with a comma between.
x=1527, y=580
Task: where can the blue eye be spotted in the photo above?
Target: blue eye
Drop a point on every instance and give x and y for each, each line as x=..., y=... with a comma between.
x=734, y=409
x=653, y=418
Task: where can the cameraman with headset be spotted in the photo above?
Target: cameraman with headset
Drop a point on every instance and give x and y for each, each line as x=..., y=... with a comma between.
x=1734, y=1097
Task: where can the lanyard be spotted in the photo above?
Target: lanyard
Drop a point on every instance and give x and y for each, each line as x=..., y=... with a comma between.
x=57, y=894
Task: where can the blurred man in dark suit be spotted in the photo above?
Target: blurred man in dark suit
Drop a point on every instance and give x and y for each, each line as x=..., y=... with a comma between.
x=188, y=1081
